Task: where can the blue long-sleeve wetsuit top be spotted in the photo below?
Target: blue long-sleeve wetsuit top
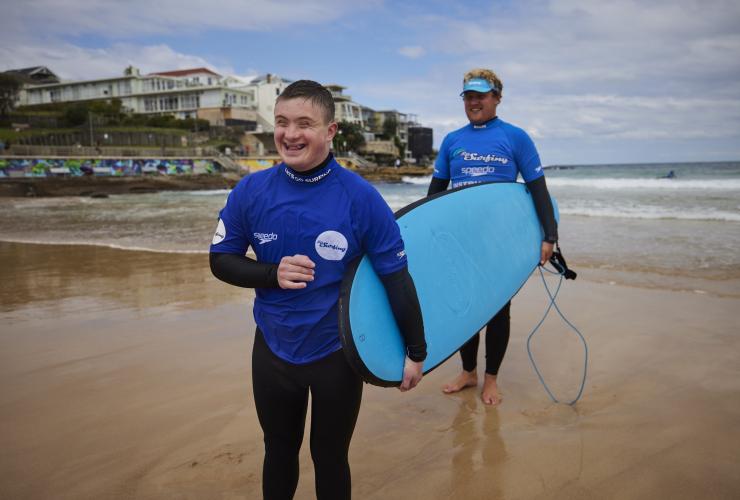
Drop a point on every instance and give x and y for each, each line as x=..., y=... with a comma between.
x=332, y=216
x=493, y=151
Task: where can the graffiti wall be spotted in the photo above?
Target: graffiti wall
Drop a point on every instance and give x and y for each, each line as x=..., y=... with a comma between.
x=48, y=167
x=255, y=164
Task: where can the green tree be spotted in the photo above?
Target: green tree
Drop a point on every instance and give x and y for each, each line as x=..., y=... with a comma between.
x=9, y=87
x=75, y=115
x=349, y=137
x=106, y=112
x=390, y=127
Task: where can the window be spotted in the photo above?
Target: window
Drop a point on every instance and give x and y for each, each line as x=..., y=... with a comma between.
x=168, y=104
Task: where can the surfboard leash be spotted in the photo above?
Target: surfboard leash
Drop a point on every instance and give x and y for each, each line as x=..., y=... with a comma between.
x=558, y=262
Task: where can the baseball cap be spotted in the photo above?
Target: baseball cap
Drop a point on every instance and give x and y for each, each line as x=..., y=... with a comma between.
x=478, y=85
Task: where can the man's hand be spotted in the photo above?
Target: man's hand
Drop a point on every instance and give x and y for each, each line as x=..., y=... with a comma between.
x=412, y=373
x=546, y=252
x=294, y=271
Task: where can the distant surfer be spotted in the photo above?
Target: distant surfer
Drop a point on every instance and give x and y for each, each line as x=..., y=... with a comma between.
x=669, y=175
x=305, y=219
x=490, y=149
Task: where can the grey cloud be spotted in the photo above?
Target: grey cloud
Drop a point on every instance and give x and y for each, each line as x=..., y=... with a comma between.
x=143, y=17
x=76, y=63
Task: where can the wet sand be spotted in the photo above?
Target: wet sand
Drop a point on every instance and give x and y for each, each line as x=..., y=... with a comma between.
x=127, y=375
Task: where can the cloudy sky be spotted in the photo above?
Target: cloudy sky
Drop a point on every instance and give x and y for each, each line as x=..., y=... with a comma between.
x=593, y=81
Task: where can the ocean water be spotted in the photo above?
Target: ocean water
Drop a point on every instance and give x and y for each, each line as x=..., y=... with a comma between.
x=616, y=219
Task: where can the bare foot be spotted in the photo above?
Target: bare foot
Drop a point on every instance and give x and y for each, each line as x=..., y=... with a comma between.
x=491, y=395
x=465, y=379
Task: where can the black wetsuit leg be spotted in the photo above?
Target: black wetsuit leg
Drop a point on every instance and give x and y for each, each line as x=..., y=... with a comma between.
x=469, y=353
x=281, y=403
x=336, y=393
x=281, y=398
x=497, y=340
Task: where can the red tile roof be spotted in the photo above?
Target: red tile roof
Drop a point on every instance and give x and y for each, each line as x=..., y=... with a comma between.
x=185, y=72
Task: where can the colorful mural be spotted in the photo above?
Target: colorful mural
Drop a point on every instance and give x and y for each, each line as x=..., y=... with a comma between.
x=47, y=167
x=348, y=163
x=256, y=164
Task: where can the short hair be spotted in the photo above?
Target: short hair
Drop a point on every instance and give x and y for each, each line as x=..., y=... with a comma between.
x=487, y=75
x=312, y=91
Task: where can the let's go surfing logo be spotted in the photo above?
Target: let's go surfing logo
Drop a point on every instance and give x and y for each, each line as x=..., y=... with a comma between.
x=485, y=158
x=331, y=245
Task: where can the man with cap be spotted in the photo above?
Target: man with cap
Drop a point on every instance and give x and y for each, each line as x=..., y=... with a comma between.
x=489, y=149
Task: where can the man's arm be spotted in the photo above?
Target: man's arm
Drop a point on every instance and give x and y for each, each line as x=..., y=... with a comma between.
x=242, y=271
x=292, y=272
x=546, y=215
x=437, y=185
x=406, y=310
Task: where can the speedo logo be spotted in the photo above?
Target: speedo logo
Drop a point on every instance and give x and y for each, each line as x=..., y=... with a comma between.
x=265, y=237
x=475, y=171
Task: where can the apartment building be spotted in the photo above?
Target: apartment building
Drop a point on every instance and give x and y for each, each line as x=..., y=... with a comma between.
x=345, y=110
x=190, y=93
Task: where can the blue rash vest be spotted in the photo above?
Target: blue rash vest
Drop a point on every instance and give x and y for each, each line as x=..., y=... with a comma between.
x=494, y=151
x=332, y=216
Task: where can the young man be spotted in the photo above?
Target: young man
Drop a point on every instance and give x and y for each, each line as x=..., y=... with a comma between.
x=490, y=149
x=305, y=219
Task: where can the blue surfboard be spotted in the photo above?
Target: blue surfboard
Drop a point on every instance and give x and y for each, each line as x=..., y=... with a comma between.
x=469, y=251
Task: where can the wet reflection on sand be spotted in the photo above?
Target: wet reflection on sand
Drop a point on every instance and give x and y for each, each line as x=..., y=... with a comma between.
x=479, y=450
x=81, y=277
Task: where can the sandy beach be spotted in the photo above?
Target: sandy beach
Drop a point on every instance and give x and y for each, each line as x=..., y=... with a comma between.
x=126, y=375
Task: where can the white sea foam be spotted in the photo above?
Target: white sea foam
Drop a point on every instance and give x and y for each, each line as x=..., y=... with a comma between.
x=115, y=246
x=652, y=213
x=417, y=180
x=212, y=192
x=613, y=183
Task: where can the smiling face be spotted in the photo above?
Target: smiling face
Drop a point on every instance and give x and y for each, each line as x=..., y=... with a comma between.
x=302, y=135
x=480, y=107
